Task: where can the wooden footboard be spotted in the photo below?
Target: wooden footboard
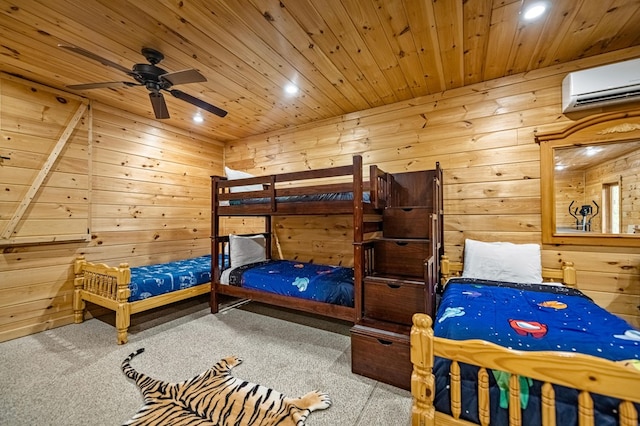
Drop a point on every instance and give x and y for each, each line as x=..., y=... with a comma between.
x=586, y=373
x=108, y=286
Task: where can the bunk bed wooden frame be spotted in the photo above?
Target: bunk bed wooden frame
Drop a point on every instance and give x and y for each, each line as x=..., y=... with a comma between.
x=296, y=184
x=585, y=373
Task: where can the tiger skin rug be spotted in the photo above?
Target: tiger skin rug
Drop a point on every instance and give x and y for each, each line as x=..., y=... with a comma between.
x=215, y=397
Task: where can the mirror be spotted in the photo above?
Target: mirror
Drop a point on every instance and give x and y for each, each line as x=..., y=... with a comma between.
x=590, y=181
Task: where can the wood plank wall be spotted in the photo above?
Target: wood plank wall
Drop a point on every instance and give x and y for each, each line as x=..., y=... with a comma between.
x=150, y=202
x=36, y=134
x=483, y=137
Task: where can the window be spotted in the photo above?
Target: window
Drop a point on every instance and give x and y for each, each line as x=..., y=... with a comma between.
x=611, y=208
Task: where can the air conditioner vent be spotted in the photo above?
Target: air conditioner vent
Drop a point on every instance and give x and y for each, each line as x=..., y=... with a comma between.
x=599, y=86
x=634, y=93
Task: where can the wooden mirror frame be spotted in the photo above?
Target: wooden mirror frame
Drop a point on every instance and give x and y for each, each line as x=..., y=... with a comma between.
x=598, y=129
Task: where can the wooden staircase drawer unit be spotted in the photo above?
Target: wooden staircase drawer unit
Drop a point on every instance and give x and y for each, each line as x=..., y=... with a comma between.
x=393, y=300
x=408, y=222
x=381, y=355
x=401, y=257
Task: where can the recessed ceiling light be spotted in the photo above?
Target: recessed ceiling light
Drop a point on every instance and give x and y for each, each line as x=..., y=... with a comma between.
x=198, y=118
x=291, y=89
x=534, y=10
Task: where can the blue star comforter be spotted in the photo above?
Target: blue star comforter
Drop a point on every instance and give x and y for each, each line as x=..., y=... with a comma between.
x=330, y=284
x=529, y=317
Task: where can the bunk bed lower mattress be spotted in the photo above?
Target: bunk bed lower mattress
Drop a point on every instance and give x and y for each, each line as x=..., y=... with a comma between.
x=528, y=317
x=321, y=283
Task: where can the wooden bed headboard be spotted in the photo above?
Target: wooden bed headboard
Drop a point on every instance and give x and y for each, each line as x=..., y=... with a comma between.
x=566, y=274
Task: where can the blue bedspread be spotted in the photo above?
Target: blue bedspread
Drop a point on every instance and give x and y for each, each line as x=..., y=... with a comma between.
x=529, y=317
x=152, y=280
x=330, y=284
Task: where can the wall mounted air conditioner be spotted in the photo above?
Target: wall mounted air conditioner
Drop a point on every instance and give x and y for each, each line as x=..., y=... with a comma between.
x=599, y=86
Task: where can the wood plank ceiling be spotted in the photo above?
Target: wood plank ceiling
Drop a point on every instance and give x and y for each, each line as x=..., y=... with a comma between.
x=345, y=56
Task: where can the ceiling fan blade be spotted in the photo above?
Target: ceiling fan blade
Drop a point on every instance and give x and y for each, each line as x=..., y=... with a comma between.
x=198, y=102
x=95, y=57
x=159, y=105
x=88, y=86
x=183, y=77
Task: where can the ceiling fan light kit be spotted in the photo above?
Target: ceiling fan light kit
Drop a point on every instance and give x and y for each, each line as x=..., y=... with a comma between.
x=154, y=78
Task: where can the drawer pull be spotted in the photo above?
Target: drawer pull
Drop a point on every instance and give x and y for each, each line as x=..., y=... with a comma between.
x=401, y=243
x=385, y=342
x=407, y=209
x=393, y=286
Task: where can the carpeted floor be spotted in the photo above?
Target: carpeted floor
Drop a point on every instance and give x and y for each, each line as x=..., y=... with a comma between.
x=71, y=375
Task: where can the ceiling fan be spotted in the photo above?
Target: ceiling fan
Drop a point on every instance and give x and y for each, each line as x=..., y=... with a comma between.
x=154, y=78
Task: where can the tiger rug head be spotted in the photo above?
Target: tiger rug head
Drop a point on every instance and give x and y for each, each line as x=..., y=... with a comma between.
x=215, y=397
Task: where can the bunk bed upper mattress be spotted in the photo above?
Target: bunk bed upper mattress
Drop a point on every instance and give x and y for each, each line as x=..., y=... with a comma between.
x=329, y=284
x=334, y=196
x=161, y=278
x=528, y=317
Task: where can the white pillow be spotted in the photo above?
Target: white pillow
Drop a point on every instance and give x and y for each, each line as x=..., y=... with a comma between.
x=237, y=174
x=502, y=261
x=245, y=250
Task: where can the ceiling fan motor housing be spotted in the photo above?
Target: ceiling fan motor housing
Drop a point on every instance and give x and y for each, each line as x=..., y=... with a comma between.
x=148, y=74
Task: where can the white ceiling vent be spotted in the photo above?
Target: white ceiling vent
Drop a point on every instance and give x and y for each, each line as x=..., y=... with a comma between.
x=605, y=85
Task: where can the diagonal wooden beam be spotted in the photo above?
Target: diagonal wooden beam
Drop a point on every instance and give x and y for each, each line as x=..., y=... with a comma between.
x=46, y=168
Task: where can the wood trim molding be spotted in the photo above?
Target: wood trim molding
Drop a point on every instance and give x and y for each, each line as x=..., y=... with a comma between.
x=598, y=129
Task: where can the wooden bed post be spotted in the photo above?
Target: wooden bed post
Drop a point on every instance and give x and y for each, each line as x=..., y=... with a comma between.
x=569, y=274
x=444, y=269
x=78, y=284
x=215, y=245
x=431, y=282
x=123, y=321
x=422, y=379
x=268, y=232
x=123, y=311
x=358, y=236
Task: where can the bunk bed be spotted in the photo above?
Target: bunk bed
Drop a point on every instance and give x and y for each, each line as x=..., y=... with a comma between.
x=472, y=365
x=340, y=190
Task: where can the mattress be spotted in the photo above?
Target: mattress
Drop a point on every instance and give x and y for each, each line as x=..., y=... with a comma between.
x=152, y=280
x=528, y=317
x=335, y=196
x=329, y=284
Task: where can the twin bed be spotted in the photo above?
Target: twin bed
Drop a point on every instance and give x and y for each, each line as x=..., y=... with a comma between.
x=506, y=347
x=128, y=291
